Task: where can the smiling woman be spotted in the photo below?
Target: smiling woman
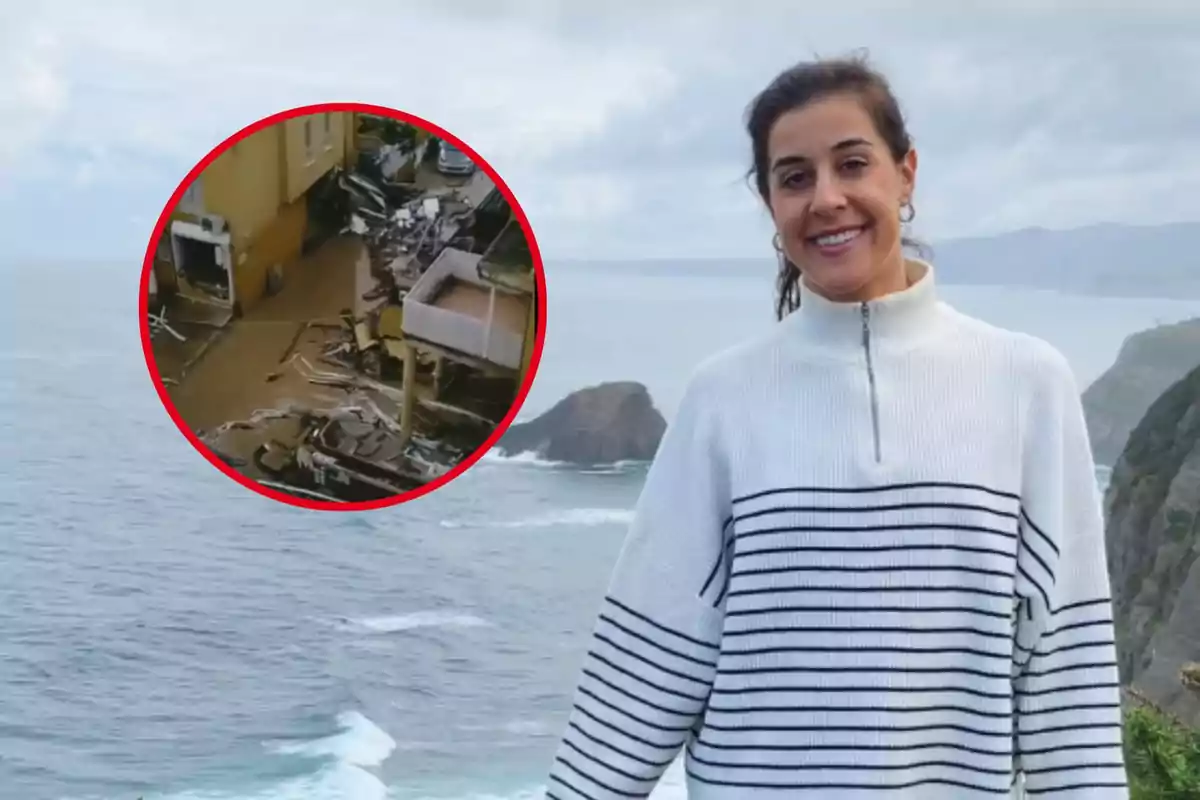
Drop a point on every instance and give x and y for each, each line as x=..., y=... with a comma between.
x=835, y=164
x=868, y=559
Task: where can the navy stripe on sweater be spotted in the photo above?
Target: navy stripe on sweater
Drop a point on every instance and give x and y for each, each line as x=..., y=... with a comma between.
x=860, y=647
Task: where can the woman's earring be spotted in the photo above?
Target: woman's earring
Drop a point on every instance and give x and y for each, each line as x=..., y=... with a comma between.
x=907, y=212
x=777, y=242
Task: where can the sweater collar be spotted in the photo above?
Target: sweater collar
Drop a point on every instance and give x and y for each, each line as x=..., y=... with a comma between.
x=897, y=320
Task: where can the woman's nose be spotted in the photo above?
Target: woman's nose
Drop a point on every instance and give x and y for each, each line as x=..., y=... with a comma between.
x=827, y=194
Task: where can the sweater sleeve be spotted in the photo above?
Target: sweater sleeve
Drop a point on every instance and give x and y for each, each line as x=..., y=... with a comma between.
x=646, y=677
x=1067, y=737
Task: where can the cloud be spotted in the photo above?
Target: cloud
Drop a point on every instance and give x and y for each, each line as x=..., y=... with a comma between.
x=1035, y=118
x=702, y=211
x=157, y=87
x=32, y=90
x=619, y=126
x=192, y=75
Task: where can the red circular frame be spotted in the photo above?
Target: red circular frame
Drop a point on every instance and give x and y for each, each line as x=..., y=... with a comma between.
x=466, y=463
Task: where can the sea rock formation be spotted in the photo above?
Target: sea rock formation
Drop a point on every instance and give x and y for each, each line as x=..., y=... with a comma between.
x=601, y=424
x=1153, y=540
x=1148, y=363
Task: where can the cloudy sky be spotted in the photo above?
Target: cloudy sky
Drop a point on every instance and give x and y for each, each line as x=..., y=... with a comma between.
x=619, y=128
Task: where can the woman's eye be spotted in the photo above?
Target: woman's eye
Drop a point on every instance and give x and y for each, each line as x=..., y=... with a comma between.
x=854, y=164
x=793, y=180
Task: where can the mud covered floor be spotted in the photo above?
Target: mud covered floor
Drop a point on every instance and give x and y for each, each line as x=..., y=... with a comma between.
x=252, y=384
x=244, y=370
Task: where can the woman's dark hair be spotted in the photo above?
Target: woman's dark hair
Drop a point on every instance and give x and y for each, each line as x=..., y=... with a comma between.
x=798, y=86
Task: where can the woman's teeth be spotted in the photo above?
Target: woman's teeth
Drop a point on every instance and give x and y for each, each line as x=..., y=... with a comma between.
x=838, y=238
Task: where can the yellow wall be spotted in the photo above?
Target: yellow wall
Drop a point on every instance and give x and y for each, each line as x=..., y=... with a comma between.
x=258, y=186
x=306, y=165
x=244, y=185
x=279, y=242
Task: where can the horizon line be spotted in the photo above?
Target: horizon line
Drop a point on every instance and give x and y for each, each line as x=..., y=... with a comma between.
x=31, y=259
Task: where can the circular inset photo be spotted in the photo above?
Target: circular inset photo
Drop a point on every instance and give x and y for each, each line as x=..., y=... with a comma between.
x=342, y=306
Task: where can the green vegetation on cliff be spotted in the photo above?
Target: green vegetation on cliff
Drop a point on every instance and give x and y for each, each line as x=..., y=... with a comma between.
x=1162, y=756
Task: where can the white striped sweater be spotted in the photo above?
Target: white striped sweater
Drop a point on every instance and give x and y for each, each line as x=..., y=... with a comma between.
x=867, y=562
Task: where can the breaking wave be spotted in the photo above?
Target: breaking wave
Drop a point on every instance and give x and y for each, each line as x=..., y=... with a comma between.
x=360, y=742
x=354, y=751
x=349, y=755
x=528, y=458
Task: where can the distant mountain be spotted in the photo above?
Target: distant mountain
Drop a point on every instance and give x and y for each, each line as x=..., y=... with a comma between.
x=1110, y=260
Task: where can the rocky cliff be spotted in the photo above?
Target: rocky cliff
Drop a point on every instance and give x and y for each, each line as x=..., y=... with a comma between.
x=1153, y=538
x=598, y=425
x=1148, y=363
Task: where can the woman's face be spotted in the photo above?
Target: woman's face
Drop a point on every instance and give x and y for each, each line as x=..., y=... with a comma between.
x=835, y=196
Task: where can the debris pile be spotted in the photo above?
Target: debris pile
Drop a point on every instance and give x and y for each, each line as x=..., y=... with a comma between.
x=353, y=449
x=341, y=427
x=352, y=452
x=404, y=228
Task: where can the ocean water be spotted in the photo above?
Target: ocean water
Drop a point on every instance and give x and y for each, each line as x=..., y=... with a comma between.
x=166, y=634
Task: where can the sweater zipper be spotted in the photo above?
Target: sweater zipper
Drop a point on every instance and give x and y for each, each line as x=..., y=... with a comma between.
x=866, y=343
